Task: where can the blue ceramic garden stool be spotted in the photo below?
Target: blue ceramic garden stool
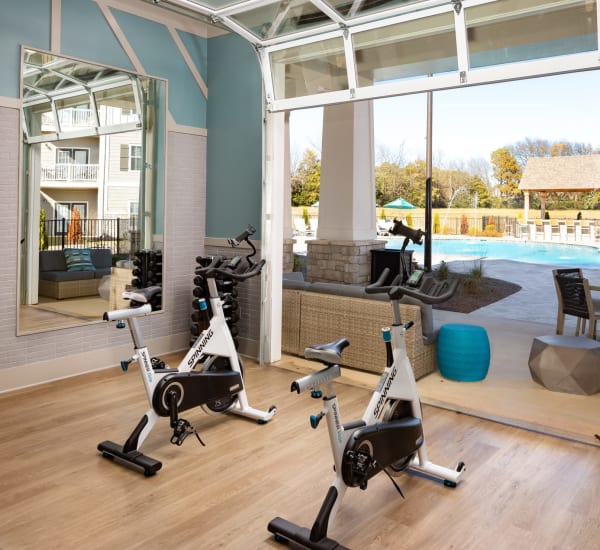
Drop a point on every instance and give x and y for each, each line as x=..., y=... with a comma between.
x=463, y=352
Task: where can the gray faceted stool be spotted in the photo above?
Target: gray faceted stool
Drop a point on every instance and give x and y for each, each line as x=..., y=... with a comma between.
x=568, y=364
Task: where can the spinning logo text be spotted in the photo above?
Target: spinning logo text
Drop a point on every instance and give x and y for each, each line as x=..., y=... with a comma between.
x=384, y=392
x=192, y=360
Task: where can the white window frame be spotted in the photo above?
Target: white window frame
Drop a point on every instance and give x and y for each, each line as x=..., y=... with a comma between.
x=133, y=157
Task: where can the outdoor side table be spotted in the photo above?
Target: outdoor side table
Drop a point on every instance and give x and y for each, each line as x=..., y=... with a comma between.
x=463, y=352
x=569, y=364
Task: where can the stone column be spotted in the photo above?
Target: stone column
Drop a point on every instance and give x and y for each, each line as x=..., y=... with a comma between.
x=347, y=216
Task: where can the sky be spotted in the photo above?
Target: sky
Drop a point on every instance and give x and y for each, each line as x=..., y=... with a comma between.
x=472, y=122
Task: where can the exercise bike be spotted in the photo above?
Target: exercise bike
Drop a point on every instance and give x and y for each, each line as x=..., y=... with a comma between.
x=389, y=437
x=210, y=375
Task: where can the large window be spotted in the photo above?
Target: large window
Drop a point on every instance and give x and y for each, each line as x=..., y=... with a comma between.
x=517, y=30
x=420, y=47
x=313, y=68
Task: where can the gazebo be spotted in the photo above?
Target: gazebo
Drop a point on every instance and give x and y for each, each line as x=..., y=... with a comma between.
x=568, y=174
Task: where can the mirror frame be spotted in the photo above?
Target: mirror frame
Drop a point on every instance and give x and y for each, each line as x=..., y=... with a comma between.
x=151, y=105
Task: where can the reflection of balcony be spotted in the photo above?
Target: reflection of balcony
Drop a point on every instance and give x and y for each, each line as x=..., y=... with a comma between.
x=69, y=118
x=73, y=119
x=70, y=173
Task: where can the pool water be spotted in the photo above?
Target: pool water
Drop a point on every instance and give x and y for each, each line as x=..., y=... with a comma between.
x=532, y=252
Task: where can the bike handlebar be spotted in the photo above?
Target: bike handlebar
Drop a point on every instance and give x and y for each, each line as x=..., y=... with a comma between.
x=429, y=292
x=415, y=235
x=211, y=271
x=243, y=236
x=233, y=268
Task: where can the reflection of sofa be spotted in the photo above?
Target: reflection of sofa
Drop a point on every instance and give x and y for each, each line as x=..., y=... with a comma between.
x=56, y=281
x=315, y=313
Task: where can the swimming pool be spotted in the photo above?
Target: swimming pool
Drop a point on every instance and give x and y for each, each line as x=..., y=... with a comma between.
x=520, y=251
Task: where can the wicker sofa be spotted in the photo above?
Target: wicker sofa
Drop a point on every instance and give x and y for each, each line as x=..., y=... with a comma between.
x=57, y=282
x=321, y=312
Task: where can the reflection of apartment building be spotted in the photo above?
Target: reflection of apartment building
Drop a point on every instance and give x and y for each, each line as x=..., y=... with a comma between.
x=99, y=175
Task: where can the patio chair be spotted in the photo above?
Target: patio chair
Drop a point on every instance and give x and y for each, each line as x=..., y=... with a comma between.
x=301, y=229
x=575, y=298
x=383, y=227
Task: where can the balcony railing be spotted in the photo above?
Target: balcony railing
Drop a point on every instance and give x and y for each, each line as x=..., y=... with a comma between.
x=70, y=172
x=69, y=118
x=119, y=234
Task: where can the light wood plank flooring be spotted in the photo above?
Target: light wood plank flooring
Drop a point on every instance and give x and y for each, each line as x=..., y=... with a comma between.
x=521, y=489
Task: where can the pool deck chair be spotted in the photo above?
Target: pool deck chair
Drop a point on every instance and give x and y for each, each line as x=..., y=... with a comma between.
x=575, y=298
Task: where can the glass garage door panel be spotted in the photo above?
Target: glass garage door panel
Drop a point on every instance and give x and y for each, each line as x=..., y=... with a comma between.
x=411, y=49
x=309, y=69
x=521, y=30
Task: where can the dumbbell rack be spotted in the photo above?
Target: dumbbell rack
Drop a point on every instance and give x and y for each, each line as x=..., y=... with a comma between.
x=147, y=271
x=228, y=292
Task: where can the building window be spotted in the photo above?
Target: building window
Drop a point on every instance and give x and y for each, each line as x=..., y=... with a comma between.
x=131, y=158
x=68, y=155
x=135, y=157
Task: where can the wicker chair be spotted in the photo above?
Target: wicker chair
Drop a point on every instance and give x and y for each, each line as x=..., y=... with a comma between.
x=575, y=298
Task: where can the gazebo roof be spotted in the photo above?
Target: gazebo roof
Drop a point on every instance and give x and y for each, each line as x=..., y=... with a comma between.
x=561, y=174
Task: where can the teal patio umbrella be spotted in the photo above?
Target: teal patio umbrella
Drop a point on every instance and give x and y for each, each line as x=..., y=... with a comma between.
x=399, y=203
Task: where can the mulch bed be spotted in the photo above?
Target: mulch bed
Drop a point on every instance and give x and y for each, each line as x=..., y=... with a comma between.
x=489, y=291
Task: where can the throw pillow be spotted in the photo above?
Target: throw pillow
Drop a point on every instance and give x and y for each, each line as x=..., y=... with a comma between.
x=78, y=259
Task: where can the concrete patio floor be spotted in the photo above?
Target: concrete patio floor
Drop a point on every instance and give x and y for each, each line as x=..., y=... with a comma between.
x=508, y=394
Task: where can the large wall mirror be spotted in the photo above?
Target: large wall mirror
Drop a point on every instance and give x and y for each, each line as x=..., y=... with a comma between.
x=92, y=190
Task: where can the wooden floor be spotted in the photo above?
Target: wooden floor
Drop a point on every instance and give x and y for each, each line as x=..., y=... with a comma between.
x=522, y=490
x=51, y=314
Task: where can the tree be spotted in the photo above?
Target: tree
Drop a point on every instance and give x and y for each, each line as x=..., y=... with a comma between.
x=43, y=232
x=388, y=182
x=507, y=173
x=536, y=147
x=478, y=188
x=306, y=181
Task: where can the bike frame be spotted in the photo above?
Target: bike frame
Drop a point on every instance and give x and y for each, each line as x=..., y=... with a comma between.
x=397, y=382
x=215, y=340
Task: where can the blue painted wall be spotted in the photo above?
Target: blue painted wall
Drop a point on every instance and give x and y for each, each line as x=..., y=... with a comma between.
x=232, y=114
x=85, y=34
x=18, y=26
x=159, y=55
x=234, y=148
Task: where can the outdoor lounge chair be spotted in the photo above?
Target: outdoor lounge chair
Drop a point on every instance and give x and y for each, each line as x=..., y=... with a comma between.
x=383, y=227
x=575, y=298
x=301, y=229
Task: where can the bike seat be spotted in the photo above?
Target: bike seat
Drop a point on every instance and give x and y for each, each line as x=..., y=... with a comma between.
x=330, y=353
x=142, y=295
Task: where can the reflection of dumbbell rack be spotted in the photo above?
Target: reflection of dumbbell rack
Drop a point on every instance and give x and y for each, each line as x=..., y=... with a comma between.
x=147, y=271
x=228, y=293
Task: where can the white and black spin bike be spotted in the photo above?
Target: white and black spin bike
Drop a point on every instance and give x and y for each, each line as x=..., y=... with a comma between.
x=389, y=437
x=210, y=375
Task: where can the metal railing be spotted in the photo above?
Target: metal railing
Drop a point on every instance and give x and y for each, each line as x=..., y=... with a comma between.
x=70, y=172
x=70, y=118
x=118, y=234
x=469, y=225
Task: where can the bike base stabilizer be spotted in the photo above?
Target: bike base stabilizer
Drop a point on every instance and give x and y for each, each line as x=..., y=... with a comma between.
x=134, y=458
x=285, y=530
